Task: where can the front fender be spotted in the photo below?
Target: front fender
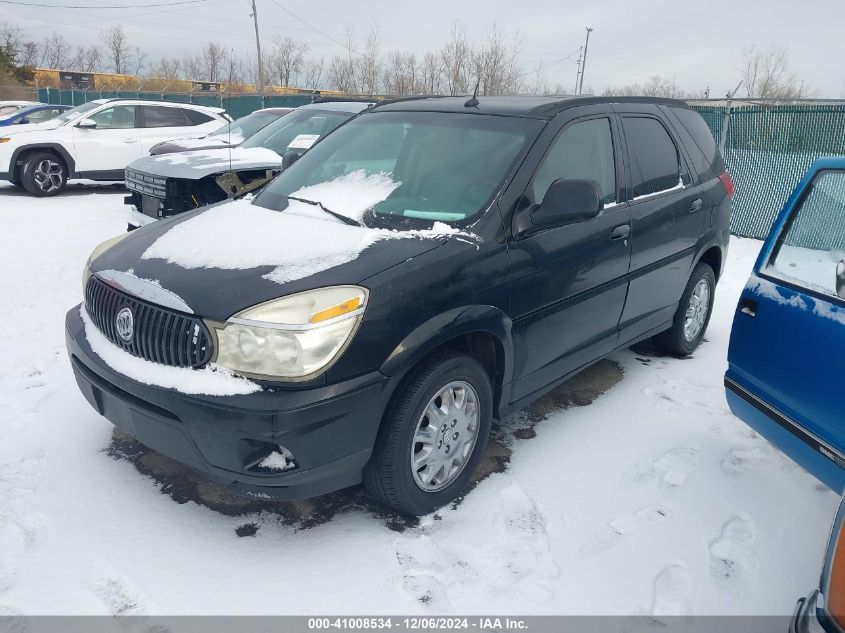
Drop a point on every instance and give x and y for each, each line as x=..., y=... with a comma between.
x=446, y=326
x=56, y=147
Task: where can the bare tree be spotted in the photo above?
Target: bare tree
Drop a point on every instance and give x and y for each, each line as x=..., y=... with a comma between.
x=496, y=63
x=117, y=48
x=288, y=57
x=401, y=74
x=212, y=64
x=430, y=74
x=456, y=58
x=656, y=86
x=312, y=73
x=169, y=69
x=87, y=59
x=56, y=52
x=342, y=69
x=369, y=64
x=140, y=59
x=768, y=74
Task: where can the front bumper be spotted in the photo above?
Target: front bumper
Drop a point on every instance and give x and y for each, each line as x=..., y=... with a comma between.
x=138, y=219
x=330, y=430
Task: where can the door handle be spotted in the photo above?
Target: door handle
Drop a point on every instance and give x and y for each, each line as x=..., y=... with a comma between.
x=130, y=140
x=748, y=307
x=696, y=205
x=621, y=232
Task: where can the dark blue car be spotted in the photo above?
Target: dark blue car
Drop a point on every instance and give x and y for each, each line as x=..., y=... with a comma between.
x=785, y=362
x=34, y=114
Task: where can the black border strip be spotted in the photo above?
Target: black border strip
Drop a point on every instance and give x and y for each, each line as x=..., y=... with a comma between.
x=787, y=423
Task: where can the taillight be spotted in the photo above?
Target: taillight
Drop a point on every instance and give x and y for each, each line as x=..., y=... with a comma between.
x=725, y=178
x=835, y=593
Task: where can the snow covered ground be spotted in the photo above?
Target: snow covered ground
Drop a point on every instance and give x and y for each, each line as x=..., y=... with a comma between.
x=649, y=498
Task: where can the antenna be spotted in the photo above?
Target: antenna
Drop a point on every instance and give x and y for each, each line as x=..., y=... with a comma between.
x=473, y=102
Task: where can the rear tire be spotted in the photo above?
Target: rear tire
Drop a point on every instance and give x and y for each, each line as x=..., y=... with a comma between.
x=422, y=440
x=692, y=316
x=43, y=174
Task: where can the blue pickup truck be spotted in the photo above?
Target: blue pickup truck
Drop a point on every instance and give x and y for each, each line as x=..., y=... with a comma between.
x=787, y=349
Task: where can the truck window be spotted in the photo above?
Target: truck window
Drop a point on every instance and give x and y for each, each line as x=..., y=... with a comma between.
x=655, y=165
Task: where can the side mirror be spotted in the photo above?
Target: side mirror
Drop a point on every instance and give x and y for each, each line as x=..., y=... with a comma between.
x=840, y=279
x=290, y=158
x=87, y=124
x=567, y=200
x=23, y=121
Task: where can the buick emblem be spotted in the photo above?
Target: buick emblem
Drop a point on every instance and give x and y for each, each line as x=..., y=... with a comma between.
x=125, y=323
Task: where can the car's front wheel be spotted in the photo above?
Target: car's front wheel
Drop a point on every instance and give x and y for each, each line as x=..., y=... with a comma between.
x=693, y=314
x=433, y=435
x=43, y=174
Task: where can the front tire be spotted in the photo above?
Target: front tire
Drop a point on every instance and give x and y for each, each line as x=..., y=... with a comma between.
x=692, y=316
x=43, y=174
x=433, y=435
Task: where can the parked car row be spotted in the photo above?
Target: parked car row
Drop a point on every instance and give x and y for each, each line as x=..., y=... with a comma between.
x=96, y=140
x=166, y=185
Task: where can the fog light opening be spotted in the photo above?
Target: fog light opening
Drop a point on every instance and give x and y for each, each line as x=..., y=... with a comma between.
x=278, y=460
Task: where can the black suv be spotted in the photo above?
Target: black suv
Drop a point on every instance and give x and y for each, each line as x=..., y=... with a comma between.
x=431, y=265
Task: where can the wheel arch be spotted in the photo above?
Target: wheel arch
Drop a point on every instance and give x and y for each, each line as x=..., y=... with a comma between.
x=713, y=257
x=23, y=151
x=482, y=332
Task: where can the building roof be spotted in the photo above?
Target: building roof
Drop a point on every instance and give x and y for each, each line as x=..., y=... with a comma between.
x=537, y=107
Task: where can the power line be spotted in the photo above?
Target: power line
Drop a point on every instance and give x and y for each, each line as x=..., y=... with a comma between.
x=101, y=6
x=313, y=28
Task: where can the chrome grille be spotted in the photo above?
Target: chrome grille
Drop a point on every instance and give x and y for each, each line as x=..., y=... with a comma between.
x=155, y=186
x=159, y=334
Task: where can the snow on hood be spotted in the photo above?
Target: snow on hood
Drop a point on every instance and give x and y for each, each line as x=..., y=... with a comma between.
x=299, y=241
x=198, y=164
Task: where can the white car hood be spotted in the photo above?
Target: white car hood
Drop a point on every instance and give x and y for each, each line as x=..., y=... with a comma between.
x=14, y=130
x=201, y=163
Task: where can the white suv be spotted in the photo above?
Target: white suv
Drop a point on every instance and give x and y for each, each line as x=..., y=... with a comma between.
x=96, y=140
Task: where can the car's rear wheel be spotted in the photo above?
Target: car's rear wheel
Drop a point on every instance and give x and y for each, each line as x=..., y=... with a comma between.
x=693, y=314
x=433, y=435
x=43, y=174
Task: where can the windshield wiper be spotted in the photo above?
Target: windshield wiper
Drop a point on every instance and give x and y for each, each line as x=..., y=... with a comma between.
x=315, y=203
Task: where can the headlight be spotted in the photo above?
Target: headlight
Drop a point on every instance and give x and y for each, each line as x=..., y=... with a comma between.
x=295, y=337
x=98, y=250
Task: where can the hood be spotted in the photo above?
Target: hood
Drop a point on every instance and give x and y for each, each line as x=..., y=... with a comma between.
x=14, y=130
x=222, y=259
x=193, y=144
x=201, y=163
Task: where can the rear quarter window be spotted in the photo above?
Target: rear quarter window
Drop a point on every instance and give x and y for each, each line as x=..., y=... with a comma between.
x=699, y=140
x=195, y=117
x=655, y=162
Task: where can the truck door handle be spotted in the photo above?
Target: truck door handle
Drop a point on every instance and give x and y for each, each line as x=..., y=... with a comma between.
x=621, y=232
x=748, y=307
x=696, y=205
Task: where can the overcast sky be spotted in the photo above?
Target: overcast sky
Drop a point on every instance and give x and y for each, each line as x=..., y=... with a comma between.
x=698, y=44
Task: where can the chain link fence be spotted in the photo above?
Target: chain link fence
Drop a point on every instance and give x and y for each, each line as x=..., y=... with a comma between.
x=768, y=147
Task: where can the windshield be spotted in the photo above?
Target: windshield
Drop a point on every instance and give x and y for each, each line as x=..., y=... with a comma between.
x=245, y=127
x=78, y=111
x=407, y=170
x=298, y=130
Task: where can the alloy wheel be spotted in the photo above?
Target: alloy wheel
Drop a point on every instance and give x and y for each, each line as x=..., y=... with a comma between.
x=697, y=309
x=48, y=175
x=445, y=436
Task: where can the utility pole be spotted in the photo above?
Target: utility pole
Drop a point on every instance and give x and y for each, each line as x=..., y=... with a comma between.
x=258, y=48
x=584, y=60
x=578, y=70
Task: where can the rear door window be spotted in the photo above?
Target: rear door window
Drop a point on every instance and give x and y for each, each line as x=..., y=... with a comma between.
x=810, y=252
x=162, y=116
x=583, y=149
x=195, y=117
x=655, y=162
